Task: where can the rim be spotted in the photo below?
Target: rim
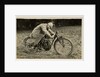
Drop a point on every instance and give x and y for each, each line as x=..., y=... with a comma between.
x=63, y=50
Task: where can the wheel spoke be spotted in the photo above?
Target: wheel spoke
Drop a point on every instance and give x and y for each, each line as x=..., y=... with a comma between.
x=63, y=46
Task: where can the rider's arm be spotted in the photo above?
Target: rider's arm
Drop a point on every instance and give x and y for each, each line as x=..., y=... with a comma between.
x=51, y=31
x=46, y=32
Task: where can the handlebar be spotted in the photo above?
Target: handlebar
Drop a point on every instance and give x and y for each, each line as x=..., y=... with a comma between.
x=56, y=32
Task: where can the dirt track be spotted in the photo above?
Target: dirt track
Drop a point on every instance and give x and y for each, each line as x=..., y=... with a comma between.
x=71, y=32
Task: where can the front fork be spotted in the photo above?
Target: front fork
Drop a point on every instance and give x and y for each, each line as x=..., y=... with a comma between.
x=61, y=41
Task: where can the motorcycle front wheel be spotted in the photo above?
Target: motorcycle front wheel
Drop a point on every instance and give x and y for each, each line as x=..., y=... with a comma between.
x=63, y=46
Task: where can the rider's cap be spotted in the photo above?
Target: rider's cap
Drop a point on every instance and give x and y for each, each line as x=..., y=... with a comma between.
x=50, y=24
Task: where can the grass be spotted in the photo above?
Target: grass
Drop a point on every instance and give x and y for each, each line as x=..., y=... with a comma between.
x=73, y=33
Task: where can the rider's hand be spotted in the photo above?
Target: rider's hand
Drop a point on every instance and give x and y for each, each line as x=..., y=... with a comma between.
x=53, y=36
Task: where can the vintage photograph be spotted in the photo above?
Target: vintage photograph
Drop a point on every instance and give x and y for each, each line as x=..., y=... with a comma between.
x=49, y=37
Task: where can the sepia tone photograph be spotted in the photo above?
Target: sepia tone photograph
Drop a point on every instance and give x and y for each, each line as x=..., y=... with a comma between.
x=49, y=37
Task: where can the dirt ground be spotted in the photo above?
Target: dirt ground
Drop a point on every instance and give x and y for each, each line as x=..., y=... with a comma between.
x=73, y=33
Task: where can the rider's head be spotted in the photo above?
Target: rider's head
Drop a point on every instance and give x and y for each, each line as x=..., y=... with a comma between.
x=50, y=25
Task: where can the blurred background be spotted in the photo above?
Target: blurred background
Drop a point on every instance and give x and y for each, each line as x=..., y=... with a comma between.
x=28, y=24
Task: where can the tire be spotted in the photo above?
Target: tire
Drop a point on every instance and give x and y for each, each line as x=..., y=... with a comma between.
x=28, y=45
x=63, y=46
x=25, y=40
